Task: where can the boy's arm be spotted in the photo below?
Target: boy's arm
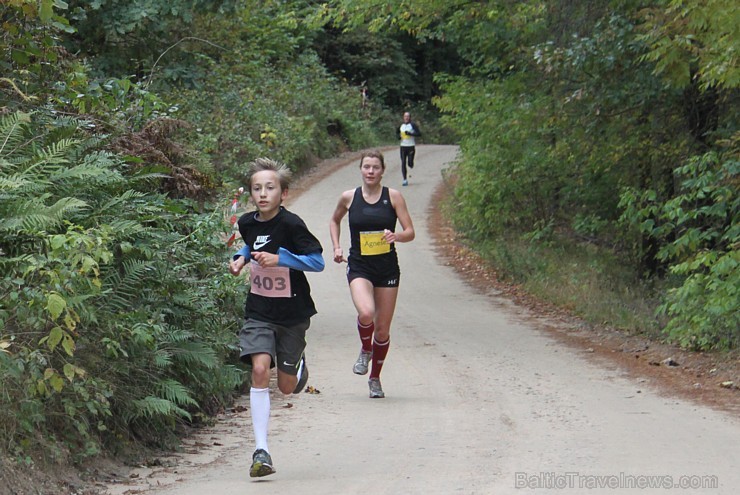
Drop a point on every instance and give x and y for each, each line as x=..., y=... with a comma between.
x=238, y=261
x=245, y=251
x=311, y=262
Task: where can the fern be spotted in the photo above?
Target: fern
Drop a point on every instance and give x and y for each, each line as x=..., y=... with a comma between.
x=37, y=217
x=88, y=171
x=151, y=407
x=23, y=184
x=56, y=153
x=115, y=202
x=195, y=354
x=85, y=150
x=175, y=392
x=72, y=222
x=125, y=228
x=13, y=183
x=162, y=358
x=11, y=132
x=125, y=287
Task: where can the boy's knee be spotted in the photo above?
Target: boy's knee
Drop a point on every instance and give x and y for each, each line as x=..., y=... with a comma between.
x=286, y=383
x=260, y=373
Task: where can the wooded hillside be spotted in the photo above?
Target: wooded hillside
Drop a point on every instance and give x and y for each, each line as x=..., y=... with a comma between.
x=606, y=126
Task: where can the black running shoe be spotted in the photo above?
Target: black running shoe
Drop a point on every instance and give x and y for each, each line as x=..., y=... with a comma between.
x=303, y=379
x=261, y=464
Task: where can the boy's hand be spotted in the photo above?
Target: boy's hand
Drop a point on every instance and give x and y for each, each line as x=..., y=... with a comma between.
x=266, y=259
x=235, y=266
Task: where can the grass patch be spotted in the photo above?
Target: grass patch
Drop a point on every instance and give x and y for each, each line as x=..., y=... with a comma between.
x=588, y=281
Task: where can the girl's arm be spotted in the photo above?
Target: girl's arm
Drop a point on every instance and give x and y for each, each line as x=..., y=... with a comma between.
x=402, y=212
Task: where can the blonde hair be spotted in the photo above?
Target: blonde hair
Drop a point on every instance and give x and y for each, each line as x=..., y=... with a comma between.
x=373, y=154
x=285, y=175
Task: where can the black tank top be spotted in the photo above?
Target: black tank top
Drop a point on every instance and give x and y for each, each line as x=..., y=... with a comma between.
x=366, y=217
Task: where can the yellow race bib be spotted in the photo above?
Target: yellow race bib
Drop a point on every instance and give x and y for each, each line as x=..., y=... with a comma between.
x=372, y=243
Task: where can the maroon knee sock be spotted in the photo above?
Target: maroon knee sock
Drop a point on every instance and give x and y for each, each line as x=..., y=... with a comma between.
x=380, y=350
x=366, y=335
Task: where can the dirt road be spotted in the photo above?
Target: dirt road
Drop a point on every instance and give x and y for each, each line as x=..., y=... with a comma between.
x=478, y=399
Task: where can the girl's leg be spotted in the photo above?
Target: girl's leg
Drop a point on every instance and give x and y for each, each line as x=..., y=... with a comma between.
x=366, y=335
x=385, y=306
x=364, y=301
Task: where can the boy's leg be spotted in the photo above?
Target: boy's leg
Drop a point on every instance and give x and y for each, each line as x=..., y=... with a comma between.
x=259, y=399
x=291, y=360
x=257, y=342
x=259, y=405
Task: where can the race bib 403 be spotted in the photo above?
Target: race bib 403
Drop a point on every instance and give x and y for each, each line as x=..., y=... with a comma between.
x=272, y=281
x=372, y=243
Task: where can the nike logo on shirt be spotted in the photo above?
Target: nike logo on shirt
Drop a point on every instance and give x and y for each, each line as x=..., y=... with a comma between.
x=260, y=242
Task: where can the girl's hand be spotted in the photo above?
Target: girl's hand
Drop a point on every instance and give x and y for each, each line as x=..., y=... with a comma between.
x=266, y=259
x=339, y=255
x=390, y=237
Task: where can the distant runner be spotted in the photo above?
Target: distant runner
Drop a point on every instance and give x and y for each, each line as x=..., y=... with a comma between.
x=407, y=133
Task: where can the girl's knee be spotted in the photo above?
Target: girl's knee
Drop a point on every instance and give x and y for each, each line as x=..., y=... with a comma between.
x=365, y=318
x=382, y=334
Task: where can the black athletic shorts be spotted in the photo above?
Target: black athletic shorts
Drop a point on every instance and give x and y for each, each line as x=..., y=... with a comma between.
x=380, y=275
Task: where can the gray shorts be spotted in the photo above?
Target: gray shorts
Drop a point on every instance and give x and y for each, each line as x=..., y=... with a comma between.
x=284, y=344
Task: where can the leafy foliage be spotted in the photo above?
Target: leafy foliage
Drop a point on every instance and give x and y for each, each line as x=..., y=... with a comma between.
x=102, y=279
x=565, y=104
x=270, y=93
x=126, y=35
x=699, y=230
x=612, y=124
x=694, y=41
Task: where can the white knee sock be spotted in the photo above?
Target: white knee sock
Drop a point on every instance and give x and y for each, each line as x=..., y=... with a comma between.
x=259, y=403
